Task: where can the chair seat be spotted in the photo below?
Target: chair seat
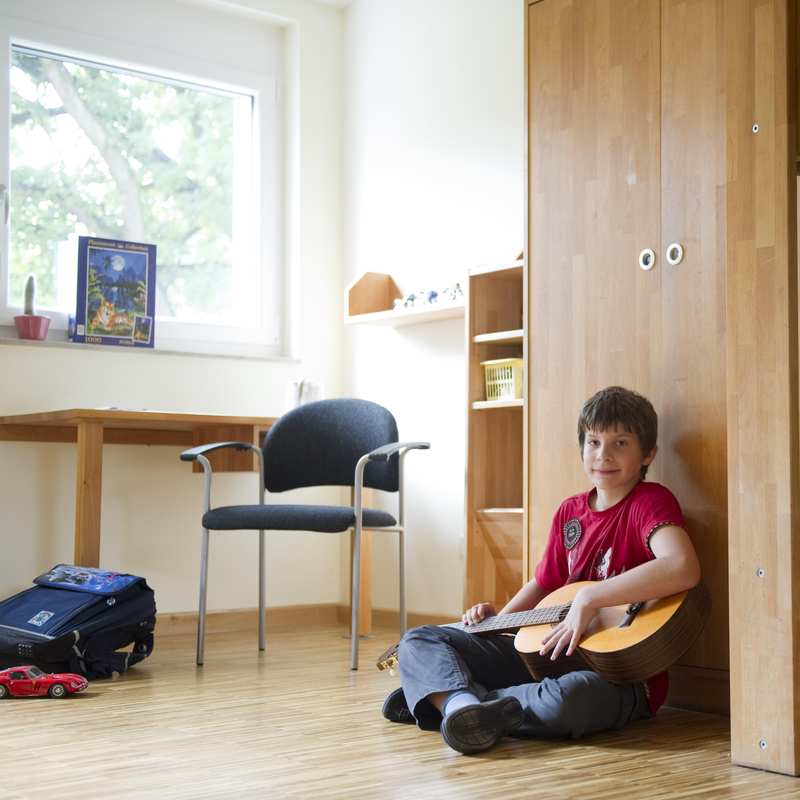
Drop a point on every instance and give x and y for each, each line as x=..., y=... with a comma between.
x=325, y=519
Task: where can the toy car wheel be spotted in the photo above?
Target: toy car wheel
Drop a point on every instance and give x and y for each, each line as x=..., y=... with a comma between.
x=3, y=691
x=57, y=690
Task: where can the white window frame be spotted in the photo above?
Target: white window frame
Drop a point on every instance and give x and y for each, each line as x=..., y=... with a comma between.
x=267, y=337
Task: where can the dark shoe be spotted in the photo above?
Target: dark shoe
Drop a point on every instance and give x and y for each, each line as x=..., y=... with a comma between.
x=395, y=708
x=480, y=726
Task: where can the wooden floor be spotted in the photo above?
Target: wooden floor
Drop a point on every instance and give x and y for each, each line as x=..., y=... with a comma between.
x=295, y=722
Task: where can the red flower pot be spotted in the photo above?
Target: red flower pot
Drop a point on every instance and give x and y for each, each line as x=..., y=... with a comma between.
x=32, y=326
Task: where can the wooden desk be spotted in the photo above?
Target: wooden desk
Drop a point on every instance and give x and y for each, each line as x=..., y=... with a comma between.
x=91, y=428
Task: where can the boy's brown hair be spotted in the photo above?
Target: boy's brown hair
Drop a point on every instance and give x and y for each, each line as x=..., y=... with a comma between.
x=618, y=407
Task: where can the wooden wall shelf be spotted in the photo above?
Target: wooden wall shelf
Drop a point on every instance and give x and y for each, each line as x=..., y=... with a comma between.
x=369, y=300
x=408, y=316
x=373, y=291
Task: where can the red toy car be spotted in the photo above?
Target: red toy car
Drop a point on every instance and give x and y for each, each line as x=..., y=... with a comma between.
x=30, y=681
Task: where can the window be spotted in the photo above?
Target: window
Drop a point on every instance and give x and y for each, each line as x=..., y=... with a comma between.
x=103, y=152
x=186, y=158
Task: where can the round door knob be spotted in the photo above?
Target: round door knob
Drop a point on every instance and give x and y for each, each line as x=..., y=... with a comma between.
x=647, y=259
x=674, y=254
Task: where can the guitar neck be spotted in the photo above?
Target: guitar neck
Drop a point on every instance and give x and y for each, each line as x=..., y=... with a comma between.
x=497, y=624
x=516, y=620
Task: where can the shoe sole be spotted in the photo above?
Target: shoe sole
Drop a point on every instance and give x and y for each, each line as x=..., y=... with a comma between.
x=478, y=727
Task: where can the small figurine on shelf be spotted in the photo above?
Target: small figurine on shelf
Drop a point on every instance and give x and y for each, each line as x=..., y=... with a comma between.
x=31, y=325
x=452, y=293
x=430, y=297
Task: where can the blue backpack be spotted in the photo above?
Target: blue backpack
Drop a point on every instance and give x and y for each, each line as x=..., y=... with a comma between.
x=79, y=619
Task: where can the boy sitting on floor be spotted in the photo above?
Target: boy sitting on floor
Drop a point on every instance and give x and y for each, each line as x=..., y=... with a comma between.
x=626, y=534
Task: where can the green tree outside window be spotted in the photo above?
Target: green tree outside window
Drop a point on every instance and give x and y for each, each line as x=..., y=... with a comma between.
x=122, y=156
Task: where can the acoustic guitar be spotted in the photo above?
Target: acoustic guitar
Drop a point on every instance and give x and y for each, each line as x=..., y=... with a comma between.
x=624, y=643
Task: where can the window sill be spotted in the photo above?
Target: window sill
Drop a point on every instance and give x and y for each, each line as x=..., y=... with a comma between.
x=58, y=339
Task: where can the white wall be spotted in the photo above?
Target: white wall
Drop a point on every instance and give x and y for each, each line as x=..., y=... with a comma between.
x=434, y=137
x=151, y=501
x=427, y=182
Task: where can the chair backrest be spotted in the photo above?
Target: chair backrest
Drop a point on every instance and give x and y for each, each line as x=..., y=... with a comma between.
x=318, y=444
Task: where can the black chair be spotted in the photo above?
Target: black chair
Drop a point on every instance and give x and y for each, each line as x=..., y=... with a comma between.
x=328, y=443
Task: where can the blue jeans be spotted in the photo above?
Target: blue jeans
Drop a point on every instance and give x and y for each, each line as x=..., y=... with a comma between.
x=441, y=659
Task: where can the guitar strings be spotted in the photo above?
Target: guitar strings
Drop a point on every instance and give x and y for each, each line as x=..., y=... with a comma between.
x=515, y=619
x=535, y=616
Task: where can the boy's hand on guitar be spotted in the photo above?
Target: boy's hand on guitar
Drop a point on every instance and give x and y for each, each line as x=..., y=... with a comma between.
x=477, y=613
x=565, y=636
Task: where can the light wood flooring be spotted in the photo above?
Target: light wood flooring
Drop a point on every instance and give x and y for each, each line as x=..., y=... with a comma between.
x=295, y=722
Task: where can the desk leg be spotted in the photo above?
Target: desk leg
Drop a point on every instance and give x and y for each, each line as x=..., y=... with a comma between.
x=88, y=487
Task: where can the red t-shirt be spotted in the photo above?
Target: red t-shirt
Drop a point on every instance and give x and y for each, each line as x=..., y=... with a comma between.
x=587, y=545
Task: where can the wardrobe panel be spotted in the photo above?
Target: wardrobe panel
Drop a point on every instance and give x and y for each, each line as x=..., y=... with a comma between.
x=594, y=204
x=762, y=358
x=693, y=448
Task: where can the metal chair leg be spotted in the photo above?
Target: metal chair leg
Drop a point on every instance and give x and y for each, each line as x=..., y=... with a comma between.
x=401, y=560
x=402, y=570
x=354, y=600
x=201, y=612
x=262, y=593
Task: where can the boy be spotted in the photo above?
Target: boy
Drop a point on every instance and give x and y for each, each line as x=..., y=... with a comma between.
x=627, y=535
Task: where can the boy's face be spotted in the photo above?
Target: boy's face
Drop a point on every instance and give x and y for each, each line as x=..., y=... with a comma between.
x=613, y=459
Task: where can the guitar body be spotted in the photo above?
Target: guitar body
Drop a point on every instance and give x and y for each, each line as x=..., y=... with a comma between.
x=655, y=638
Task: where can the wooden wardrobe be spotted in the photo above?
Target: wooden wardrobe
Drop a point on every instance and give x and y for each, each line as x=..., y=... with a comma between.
x=661, y=134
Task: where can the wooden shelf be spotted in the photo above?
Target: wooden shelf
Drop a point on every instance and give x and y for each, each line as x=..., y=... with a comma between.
x=408, y=316
x=499, y=336
x=496, y=542
x=369, y=300
x=496, y=269
x=486, y=405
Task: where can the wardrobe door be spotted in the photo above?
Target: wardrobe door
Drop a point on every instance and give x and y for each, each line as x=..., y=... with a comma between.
x=762, y=383
x=594, y=196
x=693, y=451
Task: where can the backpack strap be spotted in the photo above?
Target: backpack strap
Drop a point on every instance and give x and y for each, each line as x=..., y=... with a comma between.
x=100, y=655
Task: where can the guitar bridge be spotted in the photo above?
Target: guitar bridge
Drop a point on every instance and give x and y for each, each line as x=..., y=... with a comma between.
x=630, y=614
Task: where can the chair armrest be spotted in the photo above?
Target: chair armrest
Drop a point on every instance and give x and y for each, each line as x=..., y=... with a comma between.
x=388, y=450
x=201, y=450
x=383, y=453
x=199, y=454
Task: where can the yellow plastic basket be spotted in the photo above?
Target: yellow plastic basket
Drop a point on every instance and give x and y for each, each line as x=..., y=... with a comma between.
x=503, y=378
